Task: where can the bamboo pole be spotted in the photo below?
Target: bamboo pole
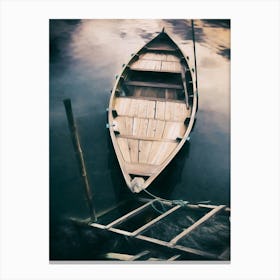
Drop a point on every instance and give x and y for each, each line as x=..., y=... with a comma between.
x=79, y=153
x=193, y=37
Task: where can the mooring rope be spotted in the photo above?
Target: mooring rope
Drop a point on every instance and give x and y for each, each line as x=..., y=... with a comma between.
x=180, y=202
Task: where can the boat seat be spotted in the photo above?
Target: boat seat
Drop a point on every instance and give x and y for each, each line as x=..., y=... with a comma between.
x=153, y=84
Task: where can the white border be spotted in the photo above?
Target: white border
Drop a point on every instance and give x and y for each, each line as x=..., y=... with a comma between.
x=255, y=138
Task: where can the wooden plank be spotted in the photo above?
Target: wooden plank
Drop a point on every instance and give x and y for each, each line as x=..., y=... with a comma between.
x=155, y=150
x=181, y=112
x=160, y=110
x=146, y=65
x=196, y=224
x=141, y=169
x=123, y=145
x=143, y=106
x=174, y=258
x=122, y=105
x=170, y=66
x=140, y=255
x=134, y=105
x=133, y=150
x=173, y=130
x=143, y=127
x=136, y=126
x=171, y=57
x=146, y=138
x=154, y=221
x=178, y=247
x=159, y=128
x=151, y=109
x=169, y=111
x=144, y=151
x=151, y=128
x=128, y=125
x=153, y=84
x=129, y=215
x=166, y=148
x=160, y=151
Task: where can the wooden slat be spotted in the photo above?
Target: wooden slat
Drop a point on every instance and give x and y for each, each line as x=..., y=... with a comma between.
x=171, y=66
x=122, y=142
x=122, y=105
x=154, y=221
x=143, y=106
x=133, y=110
x=133, y=150
x=136, y=126
x=153, y=84
x=128, y=125
x=129, y=215
x=143, y=127
x=178, y=247
x=166, y=148
x=140, y=255
x=196, y=224
x=160, y=110
x=160, y=151
x=151, y=128
x=175, y=257
x=171, y=57
x=173, y=130
x=141, y=169
x=144, y=151
x=159, y=128
x=151, y=109
x=169, y=111
x=147, y=138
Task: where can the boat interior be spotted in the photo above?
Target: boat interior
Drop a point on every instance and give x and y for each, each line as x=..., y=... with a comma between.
x=152, y=106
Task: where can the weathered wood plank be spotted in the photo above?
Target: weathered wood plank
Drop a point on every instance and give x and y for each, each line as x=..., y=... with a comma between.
x=122, y=142
x=128, y=125
x=129, y=215
x=173, y=258
x=136, y=126
x=151, y=109
x=144, y=151
x=154, y=221
x=170, y=66
x=173, y=130
x=151, y=128
x=141, y=169
x=140, y=255
x=160, y=110
x=196, y=224
x=143, y=127
x=133, y=150
x=166, y=148
x=134, y=105
x=159, y=128
x=143, y=106
x=169, y=111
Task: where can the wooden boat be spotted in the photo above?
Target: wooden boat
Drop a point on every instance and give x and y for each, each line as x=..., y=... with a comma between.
x=151, y=111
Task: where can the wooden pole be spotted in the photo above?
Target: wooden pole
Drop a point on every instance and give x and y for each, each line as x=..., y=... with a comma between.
x=79, y=153
x=193, y=37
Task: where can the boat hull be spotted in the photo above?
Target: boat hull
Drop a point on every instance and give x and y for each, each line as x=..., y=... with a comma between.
x=151, y=111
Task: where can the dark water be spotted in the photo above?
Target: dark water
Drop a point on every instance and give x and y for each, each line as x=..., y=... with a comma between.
x=85, y=57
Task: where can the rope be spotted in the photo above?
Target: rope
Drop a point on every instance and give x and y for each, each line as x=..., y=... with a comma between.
x=180, y=202
x=160, y=200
